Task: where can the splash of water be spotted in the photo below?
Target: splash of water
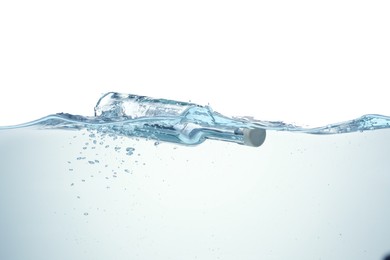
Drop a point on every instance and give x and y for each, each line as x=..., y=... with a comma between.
x=185, y=123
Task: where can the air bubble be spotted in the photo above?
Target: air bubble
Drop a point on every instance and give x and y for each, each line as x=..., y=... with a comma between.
x=129, y=150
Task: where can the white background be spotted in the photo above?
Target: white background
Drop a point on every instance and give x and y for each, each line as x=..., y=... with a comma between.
x=306, y=62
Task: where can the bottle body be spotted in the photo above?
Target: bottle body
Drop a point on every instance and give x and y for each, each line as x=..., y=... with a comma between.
x=113, y=105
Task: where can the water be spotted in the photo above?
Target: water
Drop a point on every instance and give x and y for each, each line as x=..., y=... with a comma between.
x=124, y=185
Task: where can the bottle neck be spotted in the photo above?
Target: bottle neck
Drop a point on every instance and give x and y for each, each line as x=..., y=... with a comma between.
x=196, y=134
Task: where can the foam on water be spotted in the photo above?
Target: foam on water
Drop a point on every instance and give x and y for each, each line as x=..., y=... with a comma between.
x=183, y=122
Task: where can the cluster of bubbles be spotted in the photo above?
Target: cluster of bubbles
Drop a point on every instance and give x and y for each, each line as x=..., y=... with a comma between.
x=100, y=155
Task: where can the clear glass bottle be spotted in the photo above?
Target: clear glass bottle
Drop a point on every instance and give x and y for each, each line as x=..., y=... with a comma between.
x=175, y=121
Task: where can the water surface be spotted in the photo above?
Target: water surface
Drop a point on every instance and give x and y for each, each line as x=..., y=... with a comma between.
x=126, y=185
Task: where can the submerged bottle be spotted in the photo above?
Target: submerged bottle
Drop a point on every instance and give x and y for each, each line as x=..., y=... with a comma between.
x=174, y=121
